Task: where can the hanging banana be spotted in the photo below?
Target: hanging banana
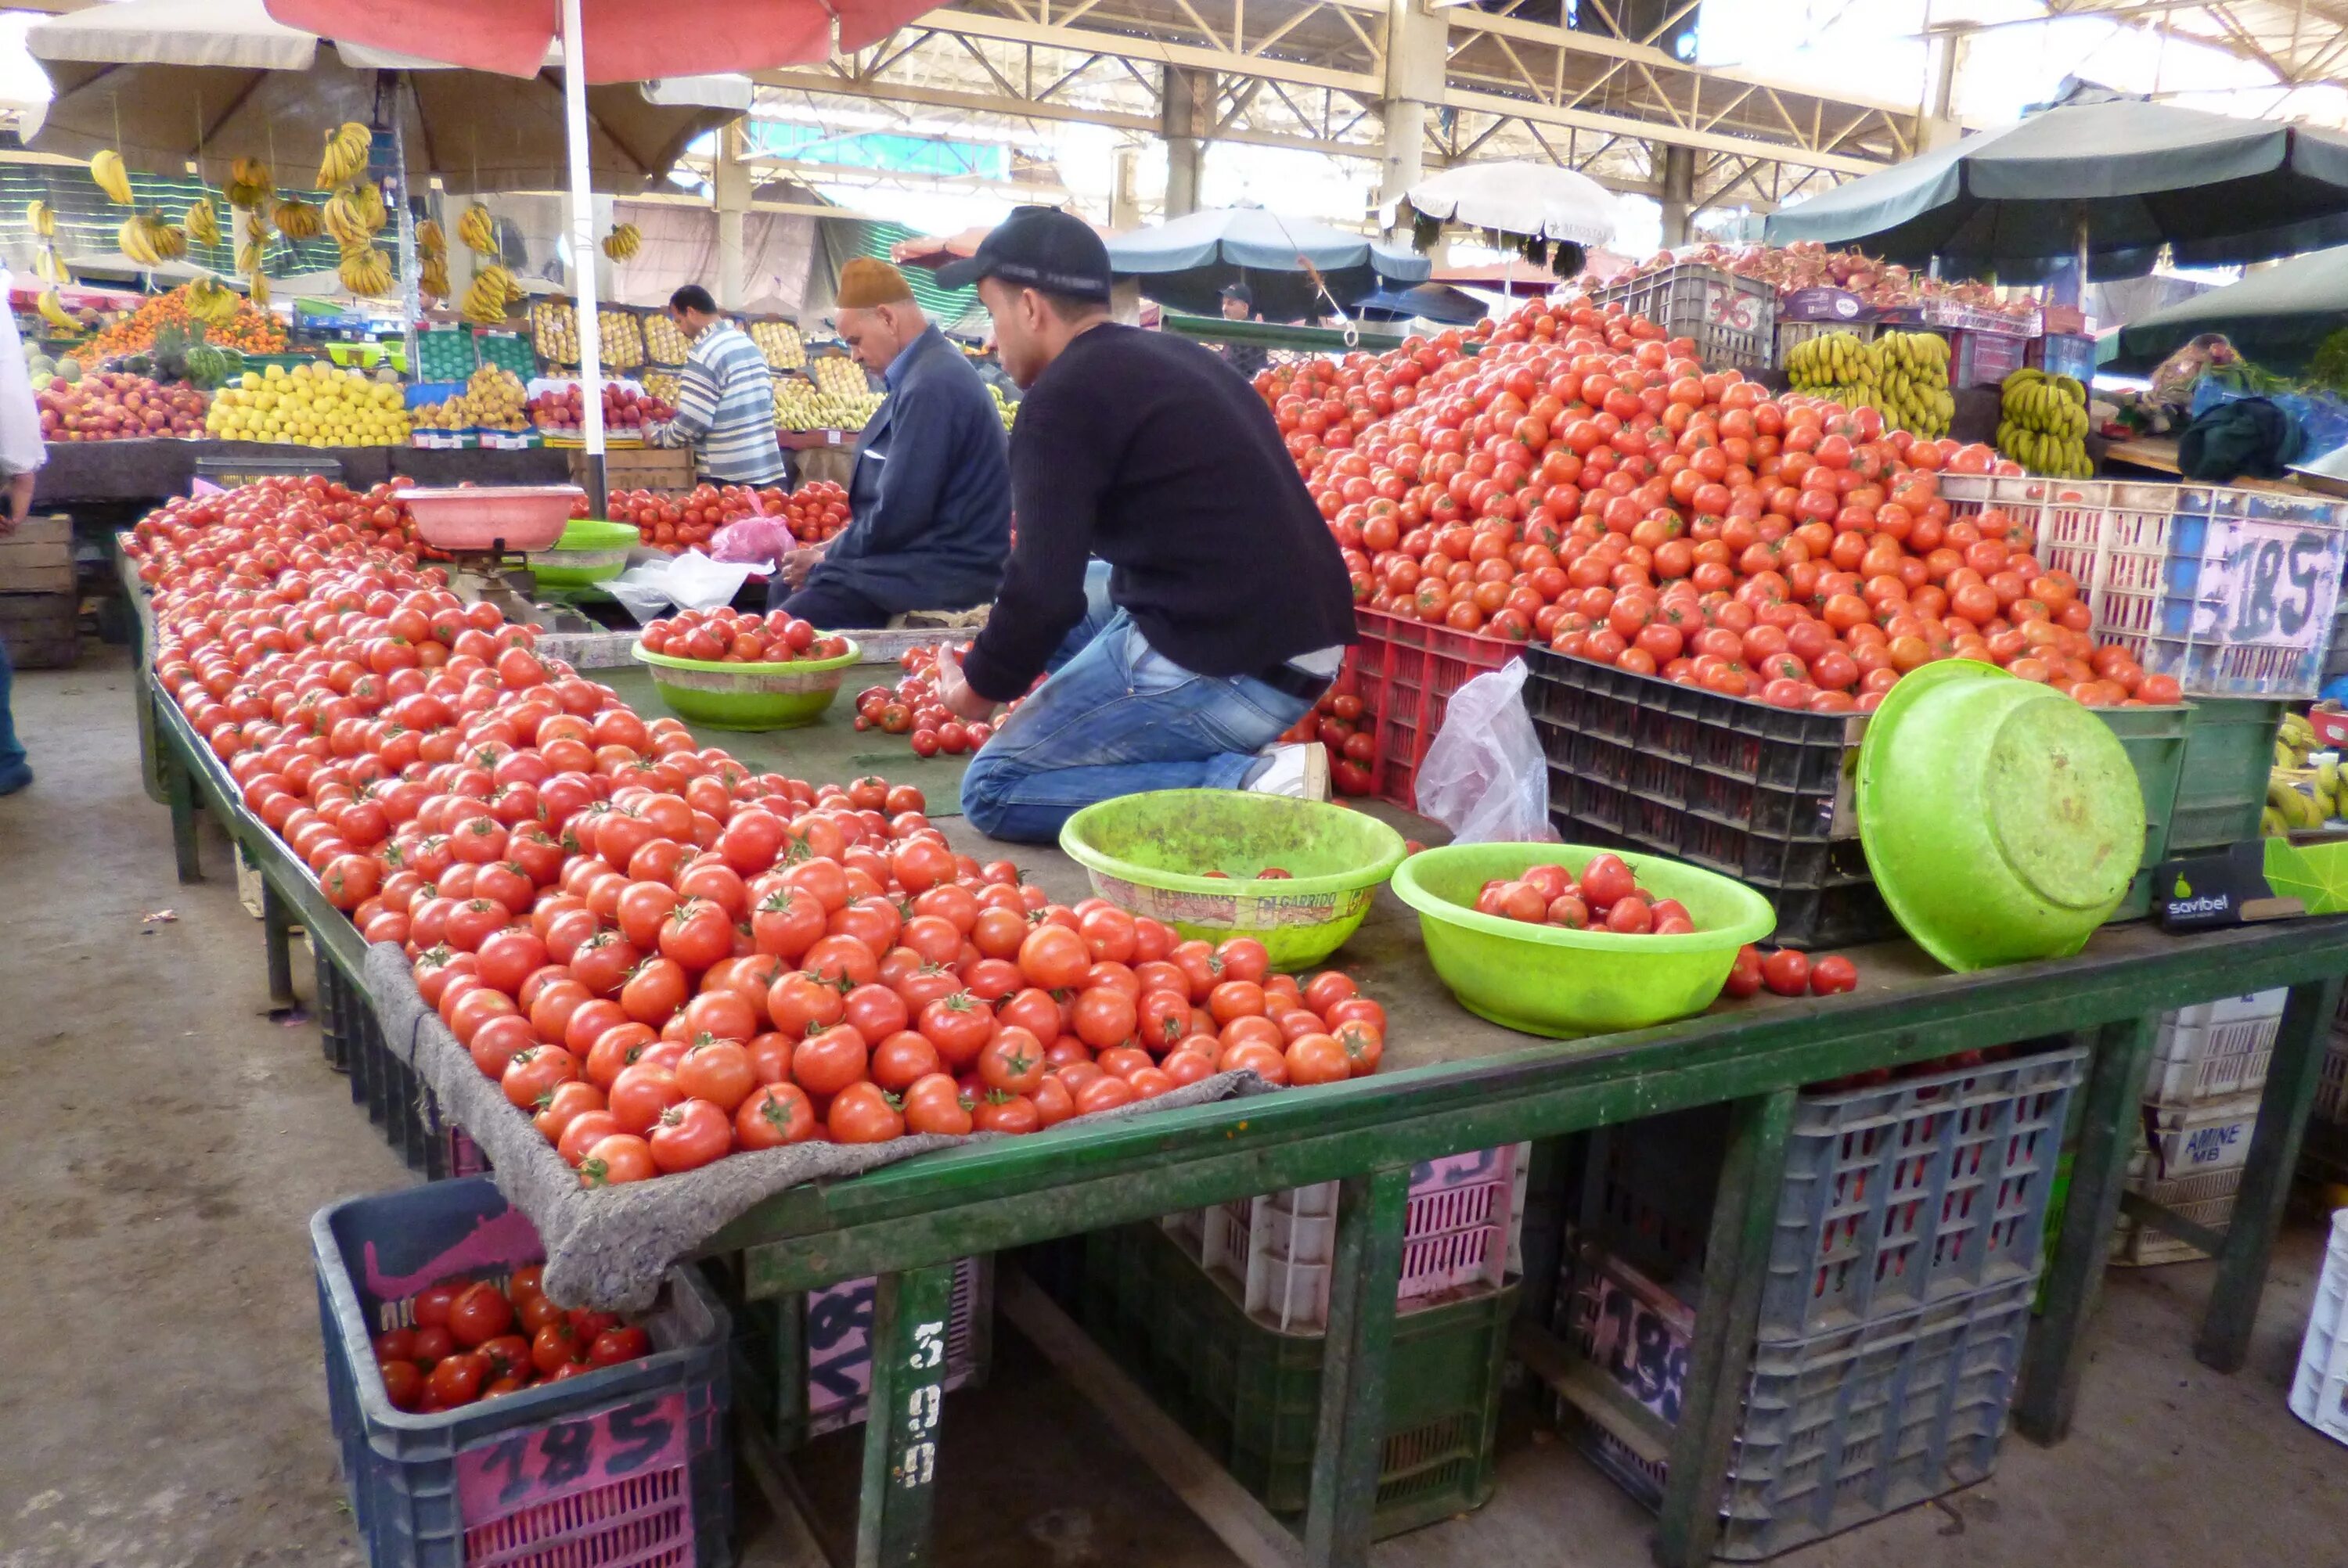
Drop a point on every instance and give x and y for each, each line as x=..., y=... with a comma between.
x=260, y=291
x=47, y=266
x=201, y=225
x=298, y=220
x=53, y=311
x=622, y=242
x=44, y=221
x=112, y=176
x=366, y=272
x=248, y=183
x=170, y=241
x=429, y=240
x=493, y=291
x=478, y=230
x=346, y=156
x=432, y=277
x=136, y=240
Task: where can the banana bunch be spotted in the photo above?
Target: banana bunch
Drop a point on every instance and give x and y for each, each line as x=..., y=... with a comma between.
x=355, y=216
x=622, y=242
x=112, y=176
x=147, y=239
x=43, y=219
x=47, y=266
x=248, y=183
x=297, y=221
x=211, y=302
x=201, y=225
x=494, y=293
x=365, y=270
x=53, y=311
x=432, y=277
x=2043, y=424
x=248, y=257
x=346, y=156
x=478, y=230
x=2305, y=788
x=429, y=240
x=258, y=288
x=1915, y=382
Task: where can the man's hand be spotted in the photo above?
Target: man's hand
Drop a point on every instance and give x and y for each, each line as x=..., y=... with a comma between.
x=796, y=564
x=956, y=695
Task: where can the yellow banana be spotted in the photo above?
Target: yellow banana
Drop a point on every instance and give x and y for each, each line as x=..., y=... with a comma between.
x=132, y=240
x=47, y=267
x=112, y=176
x=259, y=289
x=622, y=242
x=44, y=221
x=248, y=183
x=53, y=311
x=478, y=230
x=298, y=220
x=170, y=240
x=429, y=240
x=203, y=226
x=346, y=156
x=432, y=277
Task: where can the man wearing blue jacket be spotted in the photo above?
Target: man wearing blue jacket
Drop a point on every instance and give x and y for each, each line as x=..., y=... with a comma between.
x=929, y=497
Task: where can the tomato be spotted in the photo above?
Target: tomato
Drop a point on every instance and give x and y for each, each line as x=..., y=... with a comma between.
x=862, y=1113
x=1744, y=974
x=1833, y=975
x=696, y=933
x=554, y=1346
x=616, y=1161
x=1105, y=1016
x=613, y=1346
x=532, y=1074
x=774, y=1114
x=565, y=1103
x=799, y=1003
x=1318, y=1058
x=1011, y=1061
x=1604, y=880
x=1243, y=959
x=902, y=1059
x=457, y=1380
x=403, y=1385
x=959, y=1026
x=640, y=1095
x=1053, y=957
x=1327, y=988
x=1786, y=972
x=935, y=1104
x=1106, y=1093
x=718, y=1072
x=830, y=1060
x=690, y=1134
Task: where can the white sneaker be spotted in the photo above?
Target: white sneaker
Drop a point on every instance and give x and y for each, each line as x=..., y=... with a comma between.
x=1299, y=771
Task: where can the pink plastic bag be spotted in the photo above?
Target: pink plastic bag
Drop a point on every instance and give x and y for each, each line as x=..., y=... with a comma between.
x=757, y=543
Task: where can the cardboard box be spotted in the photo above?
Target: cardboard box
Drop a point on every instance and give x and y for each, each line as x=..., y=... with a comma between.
x=39, y=556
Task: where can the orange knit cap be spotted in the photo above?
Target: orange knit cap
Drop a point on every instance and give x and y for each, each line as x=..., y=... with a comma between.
x=865, y=282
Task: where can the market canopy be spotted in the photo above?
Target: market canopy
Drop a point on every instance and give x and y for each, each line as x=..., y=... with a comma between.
x=1538, y=200
x=2137, y=175
x=166, y=81
x=2276, y=318
x=1185, y=262
x=1426, y=302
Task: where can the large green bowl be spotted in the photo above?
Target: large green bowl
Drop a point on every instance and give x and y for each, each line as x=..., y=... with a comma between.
x=2002, y=820
x=1549, y=980
x=590, y=551
x=1147, y=853
x=747, y=696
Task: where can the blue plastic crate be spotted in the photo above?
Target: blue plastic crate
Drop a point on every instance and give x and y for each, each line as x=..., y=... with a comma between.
x=628, y=1467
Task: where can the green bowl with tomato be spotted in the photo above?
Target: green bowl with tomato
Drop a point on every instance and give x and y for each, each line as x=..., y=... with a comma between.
x=744, y=696
x=590, y=551
x=1555, y=981
x=1150, y=854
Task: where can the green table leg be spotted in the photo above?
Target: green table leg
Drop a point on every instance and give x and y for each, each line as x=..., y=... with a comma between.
x=2109, y=1130
x=2225, y=1338
x=1349, y=1443
x=901, y=1434
x=1727, y=1319
x=276, y=937
x=181, y=790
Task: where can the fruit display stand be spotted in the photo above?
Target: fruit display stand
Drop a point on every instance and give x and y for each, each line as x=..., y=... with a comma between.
x=1452, y=1083
x=146, y=473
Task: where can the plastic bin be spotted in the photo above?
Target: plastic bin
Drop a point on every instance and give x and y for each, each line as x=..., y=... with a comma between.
x=2318, y=1393
x=1250, y=1395
x=229, y=473
x=2216, y=1049
x=1458, y=1232
x=2222, y=784
x=1837, y=1428
x=2205, y=1199
x=2331, y=1087
x=1979, y=358
x=1404, y=672
x=2191, y=1140
x=2064, y=354
x=622, y=1468
x=1732, y=320
x=832, y=1328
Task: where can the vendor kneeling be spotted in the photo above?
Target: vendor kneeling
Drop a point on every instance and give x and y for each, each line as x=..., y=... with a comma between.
x=929, y=497
x=1224, y=610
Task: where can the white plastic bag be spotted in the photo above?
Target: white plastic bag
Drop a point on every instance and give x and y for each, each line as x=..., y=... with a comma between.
x=691, y=581
x=1483, y=777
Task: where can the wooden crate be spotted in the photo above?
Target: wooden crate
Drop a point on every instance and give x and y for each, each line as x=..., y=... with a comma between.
x=640, y=468
x=43, y=631
x=39, y=556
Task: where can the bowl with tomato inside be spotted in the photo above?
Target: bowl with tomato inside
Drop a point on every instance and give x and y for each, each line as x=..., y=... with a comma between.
x=735, y=672
x=1563, y=939
x=1296, y=875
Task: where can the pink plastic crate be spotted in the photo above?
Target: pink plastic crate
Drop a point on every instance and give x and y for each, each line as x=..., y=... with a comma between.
x=1459, y=1234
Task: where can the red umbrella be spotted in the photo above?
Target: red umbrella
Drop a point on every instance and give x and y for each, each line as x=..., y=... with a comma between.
x=622, y=40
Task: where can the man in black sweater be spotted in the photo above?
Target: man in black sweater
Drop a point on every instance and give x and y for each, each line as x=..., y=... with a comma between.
x=1222, y=611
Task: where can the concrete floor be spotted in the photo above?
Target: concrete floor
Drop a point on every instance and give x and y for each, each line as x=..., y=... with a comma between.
x=167, y=1140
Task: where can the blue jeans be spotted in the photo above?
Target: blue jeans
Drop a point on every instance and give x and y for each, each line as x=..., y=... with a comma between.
x=14, y=774
x=1117, y=718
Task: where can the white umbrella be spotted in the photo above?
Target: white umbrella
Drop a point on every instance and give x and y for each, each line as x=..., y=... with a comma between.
x=1538, y=200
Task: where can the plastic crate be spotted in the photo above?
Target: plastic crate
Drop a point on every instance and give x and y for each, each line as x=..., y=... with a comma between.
x=2191, y=1140
x=626, y=1467
x=1732, y=320
x=2206, y=1199
x=1837, y=1428
x=1979, y=358
x=1404, y=672
x=229, y=473
x=2221, y=786
x=833, y=1363
x=2155, y=741
x=1790, y=332
x=444, y=355
x=1458, y=1232
x=2318, y=1393
x=2064, y=354
x=2331, y=1087
x=2216, y=1049
x=1250, y=1395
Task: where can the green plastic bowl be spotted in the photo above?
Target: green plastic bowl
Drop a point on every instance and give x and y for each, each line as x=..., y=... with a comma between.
x=747, y=696
x=1146, y=853
x=1547, y=979
x=2002, y=820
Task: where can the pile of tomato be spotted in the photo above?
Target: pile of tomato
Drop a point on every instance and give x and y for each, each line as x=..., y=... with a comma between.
x=1583, y=482
x=472, y=1340
x=1607, y=894
x=661, y=955
x=727, y=636
x=816, y=510
x=911, y=708
x=1789, y=973
x=1339, y=721
x=676, y=523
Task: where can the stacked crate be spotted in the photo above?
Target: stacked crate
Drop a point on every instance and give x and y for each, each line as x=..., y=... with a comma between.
x=1906, y=1254
x=40, y=612
x=2200, y=1106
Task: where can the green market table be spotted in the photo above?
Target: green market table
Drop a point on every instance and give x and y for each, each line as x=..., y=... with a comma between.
x=1455, y=1083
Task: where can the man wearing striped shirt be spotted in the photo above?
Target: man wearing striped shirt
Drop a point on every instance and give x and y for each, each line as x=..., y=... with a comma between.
x=725, y=398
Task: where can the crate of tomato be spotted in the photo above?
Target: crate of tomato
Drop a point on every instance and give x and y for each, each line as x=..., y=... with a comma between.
x=1384, y=711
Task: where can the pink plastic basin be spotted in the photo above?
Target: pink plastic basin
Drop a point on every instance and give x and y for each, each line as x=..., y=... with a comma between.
x=480, y=517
